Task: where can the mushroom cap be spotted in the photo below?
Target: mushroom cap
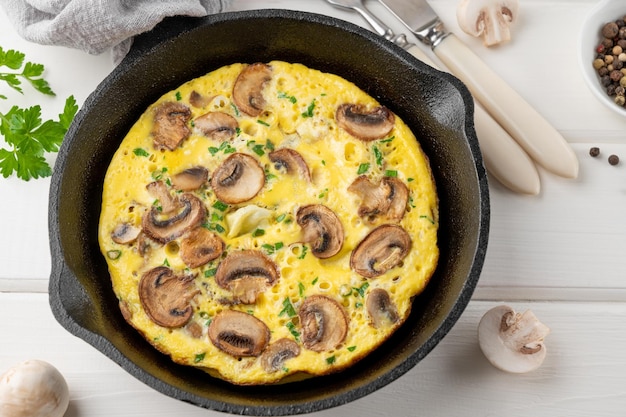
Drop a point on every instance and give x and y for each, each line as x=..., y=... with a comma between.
x=166, y=297
x=381, y=250
x=238, y=179
x=248, y=88
x=365, y=124
x=165, y=227
x=159, y=190
x=274, y=357
x=389, y=197
x=322, y=229
x=33, y=388
x=200, y=246
x=246, y=274
x=291, y=161
x=239, y=334
x=190, y=179
x=489, y=19
x=217, y=125
x=511, y=341
x=381, y=309
x=324, y=323
x=125, y=233
x=170, y=125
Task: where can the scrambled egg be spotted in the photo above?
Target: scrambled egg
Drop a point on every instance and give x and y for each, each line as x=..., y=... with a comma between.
x=283, y=194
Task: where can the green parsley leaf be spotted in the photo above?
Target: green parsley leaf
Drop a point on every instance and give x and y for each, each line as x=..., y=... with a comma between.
x=309, y=110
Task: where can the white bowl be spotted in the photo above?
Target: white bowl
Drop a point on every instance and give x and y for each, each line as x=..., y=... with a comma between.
x=604, y=12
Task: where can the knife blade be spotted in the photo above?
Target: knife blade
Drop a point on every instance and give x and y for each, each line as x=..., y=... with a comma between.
x=532, y=131
x=504, y=159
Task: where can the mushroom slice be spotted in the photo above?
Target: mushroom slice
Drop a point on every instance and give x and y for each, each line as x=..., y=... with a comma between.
x=489, y=19
x=246, y=274
x=321, y=228
x=511, y=341
x=239, y=334
x=399, y=198
x=239, y=178
x=159, y=190
x=190, y=179
x=388, y=197
x=365, y=124
x=170, y=125
x=291, y=161
x=381, y=250
x=248, y=88
x=166, y=297
x=324, y=323
x=381, y=309
x=217, y=125
x=274, y=357
x=198, y=100
x=125, y=233
x=165, y=227
x=200, y=246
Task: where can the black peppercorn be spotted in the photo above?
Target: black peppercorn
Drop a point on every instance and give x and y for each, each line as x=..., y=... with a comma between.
x=613, y=159
x=595, y=151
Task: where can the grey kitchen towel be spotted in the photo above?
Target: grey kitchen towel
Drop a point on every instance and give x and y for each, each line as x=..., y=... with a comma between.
x=95, y=26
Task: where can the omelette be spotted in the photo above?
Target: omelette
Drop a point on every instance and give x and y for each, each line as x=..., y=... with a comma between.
x=268, y=222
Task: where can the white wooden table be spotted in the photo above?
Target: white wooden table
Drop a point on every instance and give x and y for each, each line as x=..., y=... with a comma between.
x=561, y=254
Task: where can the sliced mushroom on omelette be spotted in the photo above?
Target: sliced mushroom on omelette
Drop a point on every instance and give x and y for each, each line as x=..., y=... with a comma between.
x=268, y=221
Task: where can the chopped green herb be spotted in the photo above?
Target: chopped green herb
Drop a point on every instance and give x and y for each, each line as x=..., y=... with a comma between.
x=292, y=99
x=224, y=146
x=301, y=289
x=323, y=162
x=281, y=217
x=351, y=348
x=410, y=179
x=269, y=145
x=358, y=304
x=330, y=360
x=361, y=290
x=391, y=173
x=293, y=330
x=199, y=357
x=323, y=193
x=363, y=168
x=235, y=109
x=210, y=272
x=315, y=280
x=220, y=206
x=114, y=254
x=378, y=155
x=427, y=218
x=288, y=309
x=389, y=139
x=309, y=110
x=158, y=174
x=304, y=251
x=140, y=152
x=166, y=262
x=258, y=149
x=258, y=232
x=179, y=97
x=262, y=122
x=278, y=245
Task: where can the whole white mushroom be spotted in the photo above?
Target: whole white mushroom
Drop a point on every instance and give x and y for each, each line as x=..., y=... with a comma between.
x=33, y=388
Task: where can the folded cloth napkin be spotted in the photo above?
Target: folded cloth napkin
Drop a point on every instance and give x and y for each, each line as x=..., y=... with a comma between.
x=95, y=26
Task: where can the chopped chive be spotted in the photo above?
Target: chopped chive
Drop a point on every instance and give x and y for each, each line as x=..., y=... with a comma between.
x=391, y=173
x=363, y=168
x=389, y=139
x=179, y=97
x=315, y=280
x=262, y=122
x=114, y=254
x=292, y=99
x=269, y=145
x=199, y=357
x=301, y=289
x=351, y=348
x=288, y=309
x=235, y=109
x=220, y=206
x=281, y=218
x=210, y=272
x=379, y=156
x=166, y=262
x=258, y=233
x=427, y=218
x=410, y=179
x=258, y=149
x=330, y=360
x=140, y=152
x=309, y=110
x=304, y=251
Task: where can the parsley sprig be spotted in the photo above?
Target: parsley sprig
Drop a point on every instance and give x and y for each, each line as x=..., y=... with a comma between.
x=27, y=136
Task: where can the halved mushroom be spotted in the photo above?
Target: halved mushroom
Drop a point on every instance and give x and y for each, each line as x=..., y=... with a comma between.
x=291, y=161
x=388, y=197
x=246, y=274
x=199, y=100
x=217, y=125
x=200, y=246
x=170, y=125
x=381, y=250
x=511, y=341
x=166, y=297
x=489, y=19
x=274, y=357
x=365, y=124
x=125, y=233
x=239, y=178
x=322, y=229
x=239, y=334
x=248, y=88
x=164, y=227
x=190, y=179
x=324, y=323
x=381, y=309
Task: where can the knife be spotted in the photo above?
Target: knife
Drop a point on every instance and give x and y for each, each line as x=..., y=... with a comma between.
x=504, y=159
x=538, y=137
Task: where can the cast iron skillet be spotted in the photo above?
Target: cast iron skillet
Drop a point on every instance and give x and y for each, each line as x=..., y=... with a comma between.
x=435, y=105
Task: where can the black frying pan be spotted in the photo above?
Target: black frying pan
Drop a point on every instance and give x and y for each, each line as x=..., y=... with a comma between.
x=437, y=107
